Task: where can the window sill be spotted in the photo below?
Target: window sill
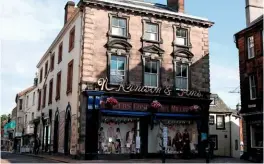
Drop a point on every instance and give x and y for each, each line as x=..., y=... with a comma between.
x=57, y=98
x=49, y=103
x=152, y=41
x=119, y=36
x=220, y=128
x=68, y=91
x=182, y=46
x=59, y=61
x=71, y=48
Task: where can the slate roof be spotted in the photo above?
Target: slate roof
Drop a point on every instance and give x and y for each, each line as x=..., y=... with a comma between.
x=220, y=106
x=257, y=20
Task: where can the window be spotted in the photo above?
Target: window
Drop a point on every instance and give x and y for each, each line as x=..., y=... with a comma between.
x=19, y=120
x=50, y=91
x=152, y=32
x=46, y=69
x=252, y=87
x=151, y=73
x=213, y=101
x=181, y=75
x=27, y=102
x=40, y=75
x=58, y=86
x=60, y=53
x=181, y=36
x=119, y=26
x=39, y=100
x=250, y=47
x=32, y=116
x=25, y=119
x=33, y=100
x=211, y=120
x=214, y=141
x=20, y=104
x=44, y=96
x=71, y=39
x=117, y=69
x=220, y=122
x=52, y=59
x=256, y=135
x=70, y=77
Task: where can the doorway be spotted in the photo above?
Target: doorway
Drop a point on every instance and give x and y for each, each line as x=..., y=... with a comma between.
x=67, y=131
x=56, y=132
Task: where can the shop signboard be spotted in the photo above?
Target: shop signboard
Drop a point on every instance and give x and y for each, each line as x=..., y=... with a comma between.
x=166, y=91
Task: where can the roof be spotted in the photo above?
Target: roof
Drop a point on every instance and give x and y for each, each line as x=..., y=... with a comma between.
x=151, y=7
x=220, y=106
x=253, y=23
x=26, y=91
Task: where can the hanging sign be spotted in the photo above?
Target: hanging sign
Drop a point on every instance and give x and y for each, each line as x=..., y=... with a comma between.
x=204, y=136
x=167, y=91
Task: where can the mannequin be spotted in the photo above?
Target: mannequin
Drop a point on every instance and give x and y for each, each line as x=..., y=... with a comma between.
x=101, y=139
x=130, y=138
x=118, y=140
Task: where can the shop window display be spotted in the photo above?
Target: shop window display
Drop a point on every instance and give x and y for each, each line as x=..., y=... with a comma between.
x=181, y=136
x=118, y=135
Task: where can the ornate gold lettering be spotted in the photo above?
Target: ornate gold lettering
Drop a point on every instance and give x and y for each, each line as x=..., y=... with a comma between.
x=167, y=91
x=103, y=84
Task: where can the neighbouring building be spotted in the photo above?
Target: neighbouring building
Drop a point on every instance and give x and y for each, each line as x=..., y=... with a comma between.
x=249, y=42
x=224, y=128
x=125, y=84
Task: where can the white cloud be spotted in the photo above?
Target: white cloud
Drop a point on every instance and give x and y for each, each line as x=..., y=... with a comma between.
x=28, y=28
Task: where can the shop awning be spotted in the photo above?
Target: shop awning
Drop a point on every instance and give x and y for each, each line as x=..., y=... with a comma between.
x=175, y=115
x=124, y=113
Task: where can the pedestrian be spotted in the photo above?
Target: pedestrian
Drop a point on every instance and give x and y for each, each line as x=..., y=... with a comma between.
x=37, y=145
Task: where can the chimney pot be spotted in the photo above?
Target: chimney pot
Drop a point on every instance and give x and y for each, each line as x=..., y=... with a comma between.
x=177, y=5
x=69, y=10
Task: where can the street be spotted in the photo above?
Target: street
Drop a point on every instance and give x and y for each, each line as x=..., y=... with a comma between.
x=7, y=157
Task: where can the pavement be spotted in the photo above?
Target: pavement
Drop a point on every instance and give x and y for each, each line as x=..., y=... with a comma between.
x=7, y=157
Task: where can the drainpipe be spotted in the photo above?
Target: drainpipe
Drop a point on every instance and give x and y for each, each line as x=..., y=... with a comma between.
x=230, y=124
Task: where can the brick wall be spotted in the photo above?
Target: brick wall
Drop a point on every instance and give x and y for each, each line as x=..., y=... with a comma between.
x=95, y=59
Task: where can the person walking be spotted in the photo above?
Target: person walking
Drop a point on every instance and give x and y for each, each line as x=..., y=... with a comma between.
x=37, y=145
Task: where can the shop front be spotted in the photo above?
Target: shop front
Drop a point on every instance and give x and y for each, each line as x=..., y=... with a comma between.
x=126, y=122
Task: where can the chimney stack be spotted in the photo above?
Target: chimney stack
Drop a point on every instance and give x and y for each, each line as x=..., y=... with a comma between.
x=177, y=5
x=254, y=9
x=69, y=10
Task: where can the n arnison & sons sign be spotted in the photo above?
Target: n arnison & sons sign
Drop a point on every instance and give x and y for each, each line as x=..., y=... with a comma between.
x=166, y=91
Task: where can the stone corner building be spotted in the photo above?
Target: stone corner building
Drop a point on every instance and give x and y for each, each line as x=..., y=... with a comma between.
x=118, y=74
x=249, y=42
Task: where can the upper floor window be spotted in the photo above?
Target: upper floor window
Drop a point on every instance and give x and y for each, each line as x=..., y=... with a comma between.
x=39, y=100
x=27, y=101
x=19, y=120
x=58, y=85
x=50, y=91
x=46, y=68
x=211, y=119
x=32, y=116
x=25, y=119
x=151, y=73
x=52, y=59
x=117, y=69
x=70, y=77
x=20, y=104
x=152, y=32
x=252, y=87
x=71, y=39
x=182, y=36
x=44, y=96
x=220, y=122
x=250, y=47
x=60, y=52
x=182, y=70
x=40, y=75
x=213, y=101
x=33, y=100
x=119, y=26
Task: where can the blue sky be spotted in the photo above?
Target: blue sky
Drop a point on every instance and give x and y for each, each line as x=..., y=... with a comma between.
x=29, y=27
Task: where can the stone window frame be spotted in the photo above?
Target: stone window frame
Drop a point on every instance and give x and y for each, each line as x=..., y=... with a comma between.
x=175, y=27
x=118, y=53
x=148, y=55
x=122, y=16
x=152, y=21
